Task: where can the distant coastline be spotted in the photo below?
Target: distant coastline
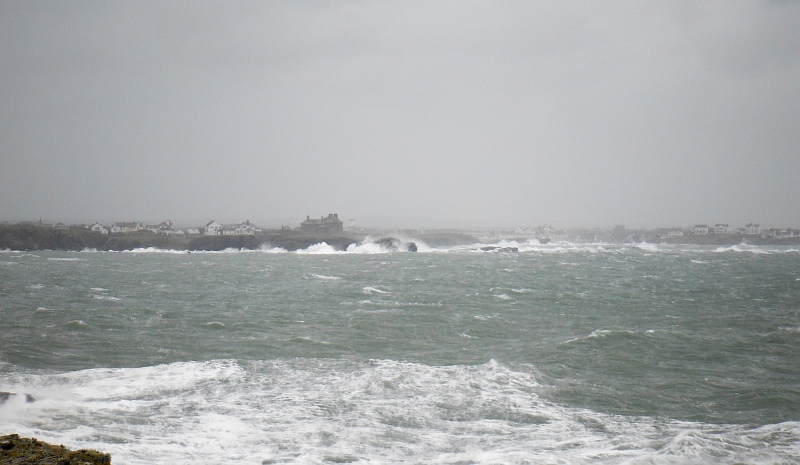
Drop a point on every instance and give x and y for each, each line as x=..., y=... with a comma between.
x=29, y=237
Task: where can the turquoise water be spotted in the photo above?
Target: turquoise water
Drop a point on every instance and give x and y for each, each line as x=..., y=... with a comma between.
x=557, y=354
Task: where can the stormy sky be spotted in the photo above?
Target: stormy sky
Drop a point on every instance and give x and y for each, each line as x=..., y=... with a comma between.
x=412, y=114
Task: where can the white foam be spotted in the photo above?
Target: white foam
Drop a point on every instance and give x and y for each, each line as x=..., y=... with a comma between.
x=373, y=290
x=647, y=247
x=155, y=250
x=326, y=278
x=380, y=411
x=319, y=249
x=267, y=249
x=314, y=411
x=367, y=248
x=744, y=248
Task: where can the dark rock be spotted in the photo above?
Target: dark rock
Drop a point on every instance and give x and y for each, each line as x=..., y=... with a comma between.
x=388, y=243
x=493, y=248
x=15, y=450
x=412, y=247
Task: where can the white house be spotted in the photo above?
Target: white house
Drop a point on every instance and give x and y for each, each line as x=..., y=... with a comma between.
x=752, y=229
x=674, y=233
x=164, y=227
x=125, y=227
x=193, y=231
x=97, y=227
x=247, y=228
x=722, y=228
x=700, y=229
x=213, y=228
x=240, y=229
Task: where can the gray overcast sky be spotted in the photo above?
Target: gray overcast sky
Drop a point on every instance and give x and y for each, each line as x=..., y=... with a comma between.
x=437, y=113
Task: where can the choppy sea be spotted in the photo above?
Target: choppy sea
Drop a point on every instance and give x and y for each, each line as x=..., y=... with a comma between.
x=557, y=354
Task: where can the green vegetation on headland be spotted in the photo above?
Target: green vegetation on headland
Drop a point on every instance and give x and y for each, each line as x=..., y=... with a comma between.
x=15, y=450
x=34, y=237
x=281, y=238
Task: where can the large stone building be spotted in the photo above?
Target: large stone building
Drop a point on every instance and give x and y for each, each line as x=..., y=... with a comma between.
x=326, y=224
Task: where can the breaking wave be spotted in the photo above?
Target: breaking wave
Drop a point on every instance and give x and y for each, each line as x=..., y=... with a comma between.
x=338, y=411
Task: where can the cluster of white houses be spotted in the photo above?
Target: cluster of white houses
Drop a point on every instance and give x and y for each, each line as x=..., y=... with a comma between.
x=212, y=228
x=751, y=229
x=326, y=224
x=241, y=229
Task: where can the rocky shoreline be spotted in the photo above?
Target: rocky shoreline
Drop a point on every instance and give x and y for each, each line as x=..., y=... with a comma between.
x=15, y=450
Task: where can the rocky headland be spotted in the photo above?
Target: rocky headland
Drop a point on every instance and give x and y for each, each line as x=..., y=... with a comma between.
x=15, y=450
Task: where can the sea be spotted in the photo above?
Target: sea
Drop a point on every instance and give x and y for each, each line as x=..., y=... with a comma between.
x=560, y=353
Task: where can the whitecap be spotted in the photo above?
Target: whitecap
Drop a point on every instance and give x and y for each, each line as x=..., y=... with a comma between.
x=373, y=290
x=324, y=277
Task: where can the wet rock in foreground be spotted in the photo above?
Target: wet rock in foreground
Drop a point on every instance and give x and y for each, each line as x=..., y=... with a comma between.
x=16, y=450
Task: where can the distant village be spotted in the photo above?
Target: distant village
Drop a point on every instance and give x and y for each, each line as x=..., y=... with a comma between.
x=331, y=224
x=699, y=233
x=323, y=225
